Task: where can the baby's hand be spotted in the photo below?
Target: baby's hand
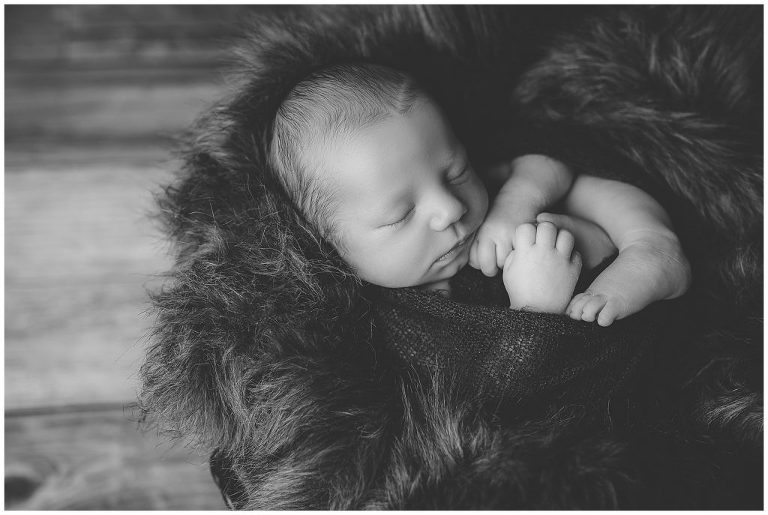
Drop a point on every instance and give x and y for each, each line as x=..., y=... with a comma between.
x=492, y=244
x=542, y=271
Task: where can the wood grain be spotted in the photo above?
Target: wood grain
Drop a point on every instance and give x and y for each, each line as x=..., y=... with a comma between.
x=120, y=35
x=118, y=107
x=99, y=459
x=80, y=253
x=93, y=97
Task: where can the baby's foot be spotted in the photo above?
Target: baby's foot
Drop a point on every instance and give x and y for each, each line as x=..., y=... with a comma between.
x=643, y=273
x=541, y=273
x=592, y=242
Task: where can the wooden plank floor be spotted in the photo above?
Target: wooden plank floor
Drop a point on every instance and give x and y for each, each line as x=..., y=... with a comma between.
x=87, y=132
x=80, y=252
x=97, y=459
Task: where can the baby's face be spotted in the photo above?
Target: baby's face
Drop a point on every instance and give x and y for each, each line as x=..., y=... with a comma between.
x=409, y=201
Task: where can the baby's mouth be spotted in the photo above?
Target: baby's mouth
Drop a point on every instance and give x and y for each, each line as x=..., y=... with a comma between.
x=456, y=248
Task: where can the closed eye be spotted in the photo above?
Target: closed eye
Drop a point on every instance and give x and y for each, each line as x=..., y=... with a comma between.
x=401, y=220
x=459, y=177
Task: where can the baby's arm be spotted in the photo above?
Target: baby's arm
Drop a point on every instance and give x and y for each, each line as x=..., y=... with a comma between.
x=650, y=266
x=531, y=183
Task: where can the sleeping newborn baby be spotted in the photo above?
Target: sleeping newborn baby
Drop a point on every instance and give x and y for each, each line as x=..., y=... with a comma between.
x=371, y=161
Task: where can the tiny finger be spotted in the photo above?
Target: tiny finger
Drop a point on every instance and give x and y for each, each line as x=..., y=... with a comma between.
x=502, y=251
x=509, y=259
x=546, y=234
x=564, y=243
x=576, y=259
x=486, y=256
x=473, y=255
x=525, y=235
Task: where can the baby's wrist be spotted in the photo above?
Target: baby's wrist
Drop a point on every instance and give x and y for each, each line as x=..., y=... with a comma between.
x=514, y=209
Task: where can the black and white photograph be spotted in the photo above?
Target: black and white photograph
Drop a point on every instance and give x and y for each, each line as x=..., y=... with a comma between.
x=384, y=257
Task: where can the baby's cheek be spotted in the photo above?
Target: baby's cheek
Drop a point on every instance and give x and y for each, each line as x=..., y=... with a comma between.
x=397, y=267
x=382, y=264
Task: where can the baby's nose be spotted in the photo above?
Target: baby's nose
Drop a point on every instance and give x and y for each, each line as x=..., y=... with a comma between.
x=448, y=211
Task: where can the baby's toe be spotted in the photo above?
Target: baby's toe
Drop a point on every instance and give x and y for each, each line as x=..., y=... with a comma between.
x=576, y=307
x=609, y=313
x=592, y=307
x=546, y=234
x=525, y=235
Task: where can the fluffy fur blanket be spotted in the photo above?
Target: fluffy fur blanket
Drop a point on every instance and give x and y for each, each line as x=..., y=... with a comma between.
x=262, y=346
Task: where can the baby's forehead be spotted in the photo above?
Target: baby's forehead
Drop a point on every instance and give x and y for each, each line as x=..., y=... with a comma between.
x=382, y=145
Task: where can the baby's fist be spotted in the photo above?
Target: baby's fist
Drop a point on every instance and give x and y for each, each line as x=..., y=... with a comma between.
x=492, y=245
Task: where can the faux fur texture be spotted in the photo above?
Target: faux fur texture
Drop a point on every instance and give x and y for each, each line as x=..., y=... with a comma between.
x=262, y=338
x=671, y=99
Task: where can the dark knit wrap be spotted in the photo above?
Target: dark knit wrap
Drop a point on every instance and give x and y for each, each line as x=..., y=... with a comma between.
x=514, y=357
x=319, y=393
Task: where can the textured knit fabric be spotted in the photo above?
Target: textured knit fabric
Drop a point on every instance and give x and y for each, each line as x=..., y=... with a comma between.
x=513, y=356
